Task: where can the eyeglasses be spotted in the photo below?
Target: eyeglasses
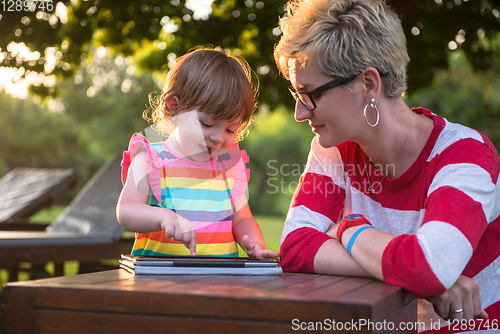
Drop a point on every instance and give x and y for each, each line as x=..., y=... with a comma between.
x=307, y=98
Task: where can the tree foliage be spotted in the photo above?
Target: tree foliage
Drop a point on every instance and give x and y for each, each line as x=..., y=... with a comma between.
x=93, y=117
x=32, y=136
x=156, y=32
x=106, y=100
x=464, y=97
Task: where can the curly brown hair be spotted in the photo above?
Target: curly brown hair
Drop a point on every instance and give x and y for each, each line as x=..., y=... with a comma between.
x=210, y=80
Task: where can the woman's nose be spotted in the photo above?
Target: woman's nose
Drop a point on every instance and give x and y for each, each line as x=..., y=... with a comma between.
x=301, y=112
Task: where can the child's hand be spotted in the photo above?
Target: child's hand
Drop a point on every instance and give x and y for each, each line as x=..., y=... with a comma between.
x=182, y=230
x=257, y=251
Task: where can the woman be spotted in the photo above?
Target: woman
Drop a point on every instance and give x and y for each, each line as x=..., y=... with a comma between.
x=427, y=188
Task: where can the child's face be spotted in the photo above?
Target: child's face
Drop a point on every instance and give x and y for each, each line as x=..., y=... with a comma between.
x=199, y=133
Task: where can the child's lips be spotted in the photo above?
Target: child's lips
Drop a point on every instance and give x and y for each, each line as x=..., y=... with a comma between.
x=211, y=149
x=204, y=148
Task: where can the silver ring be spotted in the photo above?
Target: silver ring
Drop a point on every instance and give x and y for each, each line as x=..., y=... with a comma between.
x=457, y=311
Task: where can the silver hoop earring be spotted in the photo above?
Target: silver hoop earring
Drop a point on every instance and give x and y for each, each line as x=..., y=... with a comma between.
x=372, y=104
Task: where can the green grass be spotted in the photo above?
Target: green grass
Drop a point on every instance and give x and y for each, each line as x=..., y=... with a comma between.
x=47, y=215
x=271, y=227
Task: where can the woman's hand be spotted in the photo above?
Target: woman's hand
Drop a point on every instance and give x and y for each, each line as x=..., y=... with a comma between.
x=257, y=251
x=463, y=295
x=182, y=230
x=332, y=231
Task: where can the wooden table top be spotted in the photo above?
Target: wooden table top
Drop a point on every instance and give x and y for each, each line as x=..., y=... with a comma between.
x=116, y=301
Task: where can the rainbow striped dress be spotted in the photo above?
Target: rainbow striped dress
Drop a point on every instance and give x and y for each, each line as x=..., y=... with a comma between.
x=202, y=192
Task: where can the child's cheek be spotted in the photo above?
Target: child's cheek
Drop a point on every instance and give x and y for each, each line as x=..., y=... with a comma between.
x=229, y=140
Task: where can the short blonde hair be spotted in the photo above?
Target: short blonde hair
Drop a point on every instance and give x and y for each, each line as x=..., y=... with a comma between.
x=343, y=38
x=212, y=81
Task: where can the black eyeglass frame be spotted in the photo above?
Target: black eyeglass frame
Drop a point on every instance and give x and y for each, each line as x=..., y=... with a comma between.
x=316, y=92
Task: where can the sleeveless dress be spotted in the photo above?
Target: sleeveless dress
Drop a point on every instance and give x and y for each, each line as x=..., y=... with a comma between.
x=202, y=192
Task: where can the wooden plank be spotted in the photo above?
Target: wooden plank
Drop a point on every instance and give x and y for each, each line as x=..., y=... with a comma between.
x=63, y=322
x=228, y=286
x=18, y=312
x=341, y=286
x=286, y=280
x=95, y=292
x=93, y=210
x=24, y=191
x=182, y=304
x=297, y=290
x=407, y=316
x=176, y=295
x=385, y=298
x=21, y=224
x=13, y=255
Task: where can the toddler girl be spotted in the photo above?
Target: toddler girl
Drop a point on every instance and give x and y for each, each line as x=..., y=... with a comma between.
x=187, y=195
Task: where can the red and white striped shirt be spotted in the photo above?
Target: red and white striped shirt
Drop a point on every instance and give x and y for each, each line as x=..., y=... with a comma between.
x=444, y=211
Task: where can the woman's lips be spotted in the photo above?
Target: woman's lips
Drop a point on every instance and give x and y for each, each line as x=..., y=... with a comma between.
x=316, y=128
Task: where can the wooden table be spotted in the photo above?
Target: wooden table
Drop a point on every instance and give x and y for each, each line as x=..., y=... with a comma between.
x=118, y=302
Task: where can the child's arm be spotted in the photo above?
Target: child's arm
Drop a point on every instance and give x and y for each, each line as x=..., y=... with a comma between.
x=247, y=233
x=137, y=216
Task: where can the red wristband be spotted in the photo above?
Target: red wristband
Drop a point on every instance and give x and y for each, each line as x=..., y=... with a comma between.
x=354, y=219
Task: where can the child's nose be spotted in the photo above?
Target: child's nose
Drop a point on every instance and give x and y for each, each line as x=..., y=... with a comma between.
x=216, y=138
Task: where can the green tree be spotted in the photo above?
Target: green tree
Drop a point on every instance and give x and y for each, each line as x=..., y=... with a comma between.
x=106, y=98
x=93, y=116
x=33, y=136
x=154, y=33
x=464, y=97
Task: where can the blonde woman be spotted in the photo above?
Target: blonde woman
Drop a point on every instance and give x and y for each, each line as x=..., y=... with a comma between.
x=389, y=192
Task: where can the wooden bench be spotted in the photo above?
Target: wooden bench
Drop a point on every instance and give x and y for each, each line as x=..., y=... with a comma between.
x=87, y=231
x=24, y=191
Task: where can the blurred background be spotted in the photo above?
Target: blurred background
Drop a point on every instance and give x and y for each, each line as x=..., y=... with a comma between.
x=75, y=77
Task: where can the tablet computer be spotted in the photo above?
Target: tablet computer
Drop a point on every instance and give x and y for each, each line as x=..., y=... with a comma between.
x=195, y=261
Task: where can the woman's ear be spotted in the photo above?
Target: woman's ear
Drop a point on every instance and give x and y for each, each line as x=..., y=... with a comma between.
x=372, y=83
x=173, y=104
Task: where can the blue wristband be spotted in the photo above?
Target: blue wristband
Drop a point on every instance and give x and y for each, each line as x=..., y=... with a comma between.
x=354, y=236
